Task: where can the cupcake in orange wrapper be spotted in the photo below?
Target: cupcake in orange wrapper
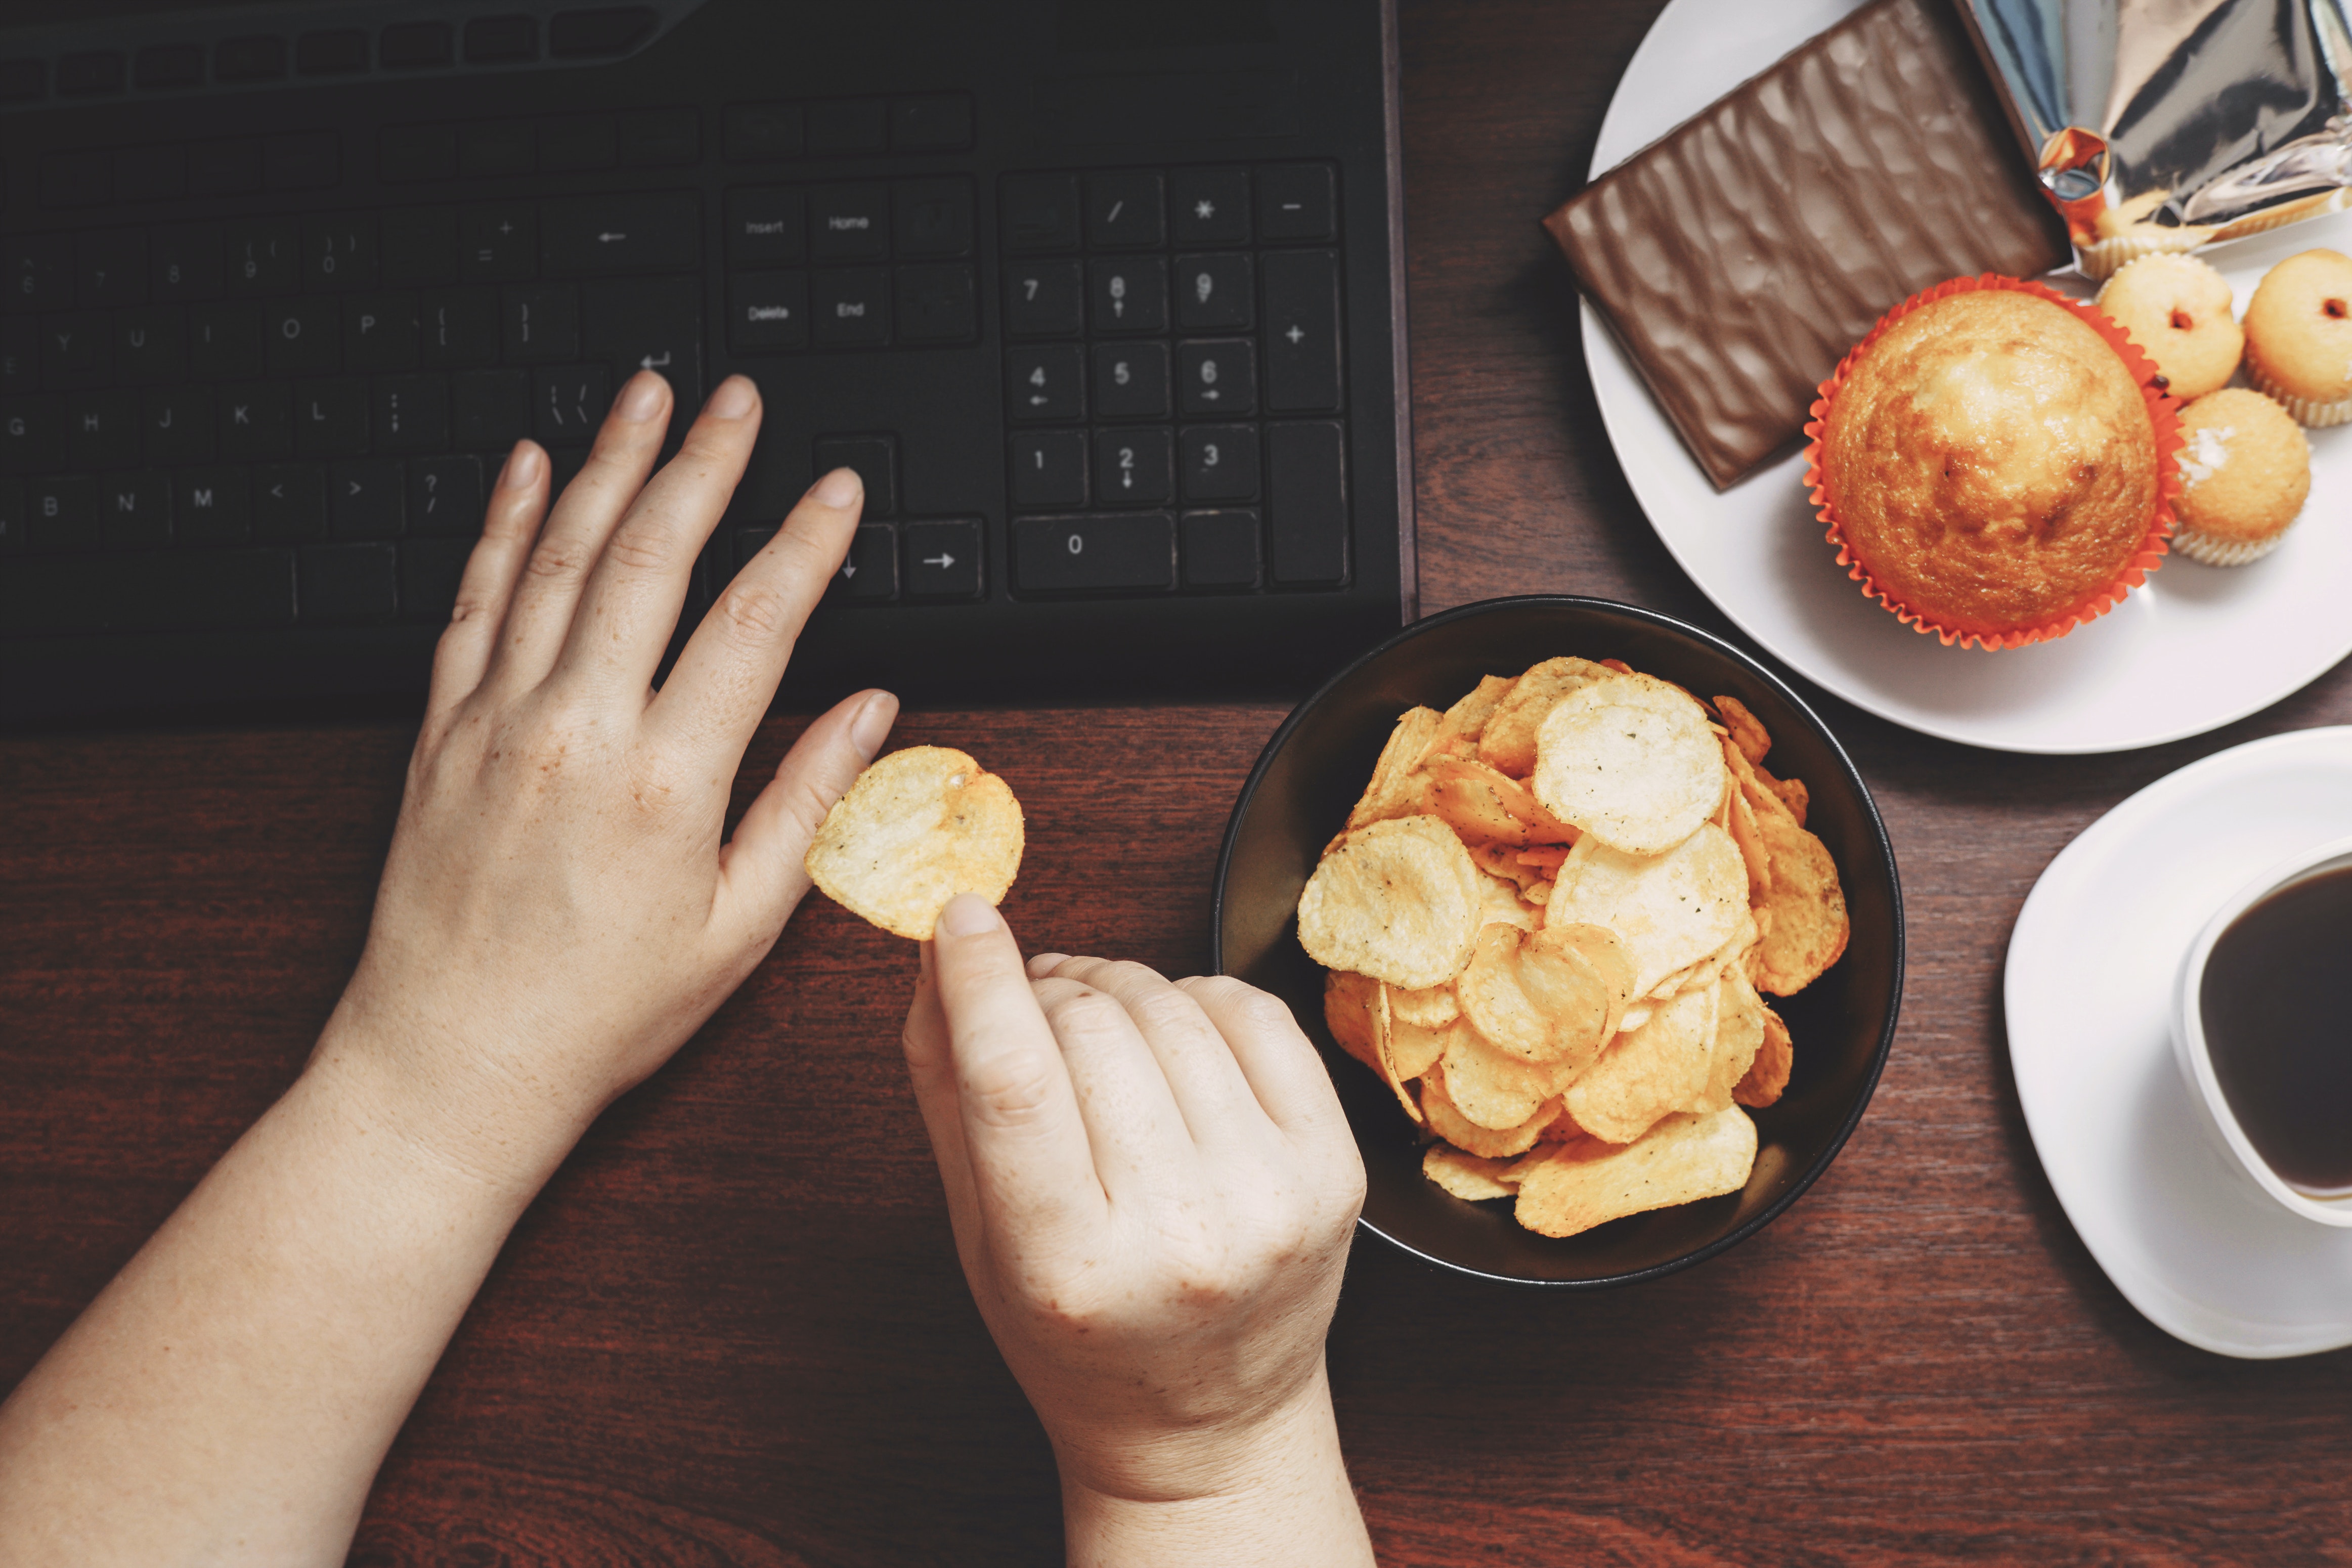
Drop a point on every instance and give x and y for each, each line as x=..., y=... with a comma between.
x=1995, y=462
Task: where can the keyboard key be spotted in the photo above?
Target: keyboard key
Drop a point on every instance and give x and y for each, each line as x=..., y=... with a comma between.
x=1130, y=381
x=869, y=573
x=209, y=506
x=489, y=409
x=762, y=132
x=185, y=261
x=412, y=46
x=650, y=323
x=625, y=232
x=1128, y=296
x=430, y=572
x=340, y=252
x=766, y=225
x=1307, y=503
x=249, y=59
x=22, y=80
x=1209, y=207
x=1123, y=211
x=410, y=414
x=150, y=344
x=77, y=179
x=1094, y=554
x=1216, y=377
x=1302, y=330
x=1219, y=549
x=937, y=304
x=767, y=312
x=257, y=421
x=12, y=517
x=445, y=496
x=290, y=501
x=75, y=349
x=1049, y=468
x=934, y=122
x=1219, y=462
x=224, y=340
x=574, y=143
x=303, y=335
x=942, y=559
x=501, y=40
x=102, y=428
x=849, y=222
x=225, y=168
x=335, y=53
x=260, y=256
x=154, y=173
x=135, y=510
x=848, y=127
x=604, y=31
x=932, y=217
x=348, y=582
x=1295, y=201
x=404, y=153
x=540, y=325
x=660, y=137
x=1213, y=294
x=1044, y=299
x=40, y=270
x=330, y=418
x=195, y=589
x=498, y=242
x=180, y=424
x=30, y=431
x=90, y=74
x=20, y=353
x=308, y=160
x=61, y=517
x=365, y=500
x=1046, y=383
x=380, y=331
x=875, y=458
x=851, y=307
x=568, y=404
x=419, y=246
x=111, y=266
x=1134, y=468
x=460, y=328
x=1040, y=212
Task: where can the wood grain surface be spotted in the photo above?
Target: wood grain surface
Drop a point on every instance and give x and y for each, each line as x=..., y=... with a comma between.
x=732, y=1331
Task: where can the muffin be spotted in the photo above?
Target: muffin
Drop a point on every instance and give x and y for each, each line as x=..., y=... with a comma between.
x=2246, y=471
x=2179, y=309
x=2299, y=336
x=1993, y=462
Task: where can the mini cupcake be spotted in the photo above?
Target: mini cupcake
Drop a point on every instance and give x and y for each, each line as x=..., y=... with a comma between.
x=2299, y=336
x=2179, y=309
x=1994, y=462
x=2245, y=472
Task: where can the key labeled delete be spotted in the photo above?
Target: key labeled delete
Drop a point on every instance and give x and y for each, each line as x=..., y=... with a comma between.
x=917, y=828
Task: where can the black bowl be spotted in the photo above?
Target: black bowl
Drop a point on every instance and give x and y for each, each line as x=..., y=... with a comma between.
x=1310, y=774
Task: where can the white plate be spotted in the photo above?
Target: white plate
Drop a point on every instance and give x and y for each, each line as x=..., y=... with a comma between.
x=2176, y=1222
x=2194, y=648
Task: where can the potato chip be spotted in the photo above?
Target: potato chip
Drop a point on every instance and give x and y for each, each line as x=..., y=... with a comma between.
x=918, y=828
x=1747, y=731
x=1793, y=793
x=1431, y=1008
x=1809, y=925
x=1491, y=1087
x=1708, y=969
x=1508, y=744
x=1536, y=895
x=1502, y=903
x=1397, y=785
x=1649, y=1072
x=1501, y=860
x=1467, y=803
x=1384, y=1041
x=1631, y=761
x=1683, y=1159
x=1493, y=1144
x=1412, y=1049
x=1740, y=811
x=1767, y=1077
x=1468, y=718
x=1671, y=909
x=1467, y=1175
x=1740, y=1027
x=1398, y=900
x=1545, y=858
x=1350, y=1002
x=1548, y=996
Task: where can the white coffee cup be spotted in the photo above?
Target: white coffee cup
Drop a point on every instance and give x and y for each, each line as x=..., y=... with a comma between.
x=2188, y=1030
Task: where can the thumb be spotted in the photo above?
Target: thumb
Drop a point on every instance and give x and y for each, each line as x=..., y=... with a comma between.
x=760, y=870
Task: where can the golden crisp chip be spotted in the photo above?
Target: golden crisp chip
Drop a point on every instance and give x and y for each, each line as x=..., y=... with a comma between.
x=1739, y=1035
x=1545, y=858
x=1488, y=1142
x=1708, y=969
x=1741, y=811
x=1502, y=903
x=1384, y=1039
x=1809, y=927
x=1350, y=1002
x=1398, y=900
x=917, y=828
x=1432, y=1007
x=1412, y=1049
x=1767, y=1076
x=1538, y=895
x=1467, y=1175
x=1747, y=732
x=1681, y=1160
x=1491, y=1087
x=1503, y=860
x=1466, y=720
x=1793, y=793
x=1467, y=803
x=1548, y=996
x=1397, y=785
x=1670, y=909
x=1632, y=761
x=1649, y=1072
x=1508, y=744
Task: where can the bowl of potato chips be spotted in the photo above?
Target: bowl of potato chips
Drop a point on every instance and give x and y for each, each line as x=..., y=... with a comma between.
x=1595, y=924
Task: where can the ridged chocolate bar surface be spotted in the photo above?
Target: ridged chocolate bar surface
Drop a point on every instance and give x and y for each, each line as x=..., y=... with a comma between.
x=1740, y=256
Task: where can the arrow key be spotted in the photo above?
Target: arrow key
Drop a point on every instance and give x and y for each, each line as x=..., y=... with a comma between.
x=942, y=559
x=875, y=458
x=869, y=575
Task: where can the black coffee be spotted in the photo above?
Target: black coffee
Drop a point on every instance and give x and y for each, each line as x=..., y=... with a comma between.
x=2278, y=1025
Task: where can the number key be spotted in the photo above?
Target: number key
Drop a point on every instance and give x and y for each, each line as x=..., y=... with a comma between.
x=1220, y=462
x=1212, y=293
x=1133, y=467
x=1218, y=377
x=1043, y=300
x=1128, y=296
x=1042, y=383
x=1130, y=381
x=1049, y=468
x=187, y=262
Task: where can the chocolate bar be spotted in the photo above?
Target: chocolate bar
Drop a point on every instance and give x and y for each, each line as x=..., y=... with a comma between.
x=1740, y=256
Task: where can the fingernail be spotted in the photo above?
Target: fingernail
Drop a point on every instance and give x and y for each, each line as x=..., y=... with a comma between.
x=839, y=489
x=522, y=472
x=872, y=725
x=732, y=400
x=968, y=914
x=641, y=397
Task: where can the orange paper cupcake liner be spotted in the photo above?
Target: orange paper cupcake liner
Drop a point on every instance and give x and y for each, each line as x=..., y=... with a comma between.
x=2164, y=412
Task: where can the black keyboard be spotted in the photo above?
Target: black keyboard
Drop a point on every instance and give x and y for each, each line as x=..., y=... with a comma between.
x=1099, y=300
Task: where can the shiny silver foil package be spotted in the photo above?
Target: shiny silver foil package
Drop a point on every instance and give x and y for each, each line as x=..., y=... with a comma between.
x=2163, y=125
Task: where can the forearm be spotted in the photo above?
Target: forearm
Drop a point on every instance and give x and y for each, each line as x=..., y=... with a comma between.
x=1296, y=1508
x=230, y=1395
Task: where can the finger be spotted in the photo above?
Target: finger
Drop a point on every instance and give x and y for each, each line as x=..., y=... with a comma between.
x=763, y=873
x=930, y=1067
x=630, y=604
x=509, y=525
x=584, y=518
x=1140, y=1142
x=1204, y=1080
x=727, y=675
x=1285, y=1072
x=1032, y=1174
x=1041, y=964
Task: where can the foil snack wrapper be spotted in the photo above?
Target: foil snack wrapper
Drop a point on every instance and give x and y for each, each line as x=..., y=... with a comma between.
x=2165, y=125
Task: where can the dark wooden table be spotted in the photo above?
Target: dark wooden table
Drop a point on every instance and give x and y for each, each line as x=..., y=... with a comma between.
x=732, y=1332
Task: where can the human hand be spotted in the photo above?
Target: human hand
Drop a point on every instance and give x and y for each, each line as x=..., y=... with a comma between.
x=558, y=912
x=1152, y=1188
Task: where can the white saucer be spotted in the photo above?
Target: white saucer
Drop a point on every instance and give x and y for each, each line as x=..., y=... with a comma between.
x=2186, y=1234
x=2194, y=648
